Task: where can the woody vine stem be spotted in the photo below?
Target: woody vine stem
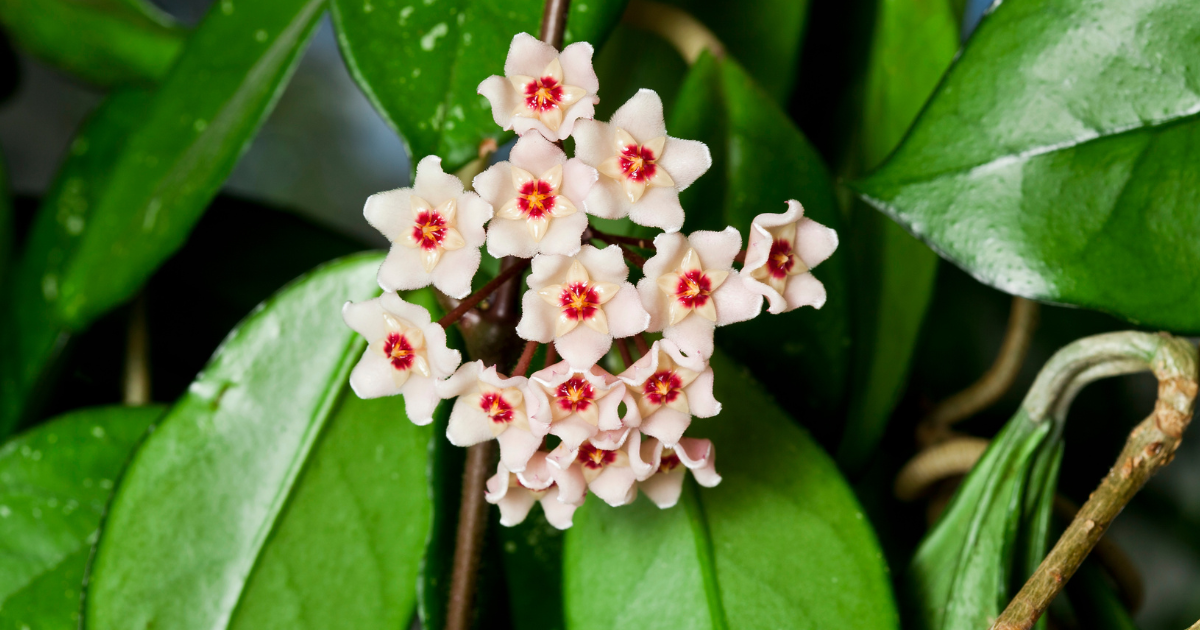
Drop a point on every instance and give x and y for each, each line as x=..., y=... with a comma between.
x=499, y=318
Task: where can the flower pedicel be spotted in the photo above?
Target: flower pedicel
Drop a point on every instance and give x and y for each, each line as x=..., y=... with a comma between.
x=573, y=428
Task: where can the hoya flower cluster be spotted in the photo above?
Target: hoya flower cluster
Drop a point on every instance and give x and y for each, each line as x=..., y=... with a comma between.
x=573, y=427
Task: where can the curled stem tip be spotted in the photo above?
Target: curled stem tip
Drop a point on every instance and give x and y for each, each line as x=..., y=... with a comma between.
x=687, y=34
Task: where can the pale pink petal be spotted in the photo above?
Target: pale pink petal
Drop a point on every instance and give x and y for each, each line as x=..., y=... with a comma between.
x=604, y=264
x=528, y=55
x=365, y=318
x=615, y=485
x=414, y=313
x=633, y=416
x=473, y=213
x=578, y=179
x=573, y=430
x=666, y=424
x=694, y=335
x=582, y=347
x=504, y=98
x=804, y=290
x=814, y=242
x=668, y=251
x=582, y=110
x=537, y=474
x=593, y=141
x=372, y=377
x=576, y=61
x=442, y=360
x=558, y=514
x=658, y=208
x=537, y=319
x=420, y=399
x=402, y=270
x=561, y=458
x=626, y=316
x=563, y=238
x=433, y=184
x=610, y=405
x=515, y=506
x=700, y=396
x=516, y=447
x=497, y=485
x=536, y=154
x=717, y=249
x=389, y=212
x=462, y=381
x=736, y=301
x=494, y=185
x=571, y=484
x=510, y=238
x=700, y=457
x=611, y=440
x=641, y=116
x=685, y=161
x=469, y=425
x=452, y=275
x=664, y=489
x=607, y=199
x=645, y=455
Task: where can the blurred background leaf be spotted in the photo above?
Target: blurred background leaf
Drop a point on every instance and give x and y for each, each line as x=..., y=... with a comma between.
x=54, y=485
x=104, y=42
x=139, y=178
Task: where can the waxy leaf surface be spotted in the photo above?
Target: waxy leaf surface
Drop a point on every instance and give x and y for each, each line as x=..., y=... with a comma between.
x=420, y=63
x=914, y=42
x=54, y=484
x=1055, y=161
x=105, y=42
x=780, y=543
x=760, y=160
x=137, y=180
x=271, y=496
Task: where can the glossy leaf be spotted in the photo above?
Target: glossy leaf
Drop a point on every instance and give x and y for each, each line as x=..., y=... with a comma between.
x=7, y=237
x=533, y=554
x=760, y=160
x=139, y=178
x=105, y=42
x=54, y=483
x=297, y=503
x=764, y=35
x=914, y=42
x=780, y=543
x=420, y=63
x=1054, y=160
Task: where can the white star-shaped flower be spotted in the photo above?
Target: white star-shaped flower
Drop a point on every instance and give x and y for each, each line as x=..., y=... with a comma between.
x=543, y=89
x=669, y=388
x=538, y=194
x=589, y=289
x=436, y=230
x=670, y=466
x=690, y=288
x=609, y=470
x=515, y=494
x=575, y=405
x=490, y=406
x=406, y=354
x=642, y=168
x=783, y=249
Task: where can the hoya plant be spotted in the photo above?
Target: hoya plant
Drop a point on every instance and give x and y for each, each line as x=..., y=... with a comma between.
x=629, y=235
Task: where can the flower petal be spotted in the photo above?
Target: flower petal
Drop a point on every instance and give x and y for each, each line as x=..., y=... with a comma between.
x=558, y=513
x=664, y=488
x=516, y=447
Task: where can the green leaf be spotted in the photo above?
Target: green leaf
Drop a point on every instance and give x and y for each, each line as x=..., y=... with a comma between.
x=138, y=179
x=780, y=543
x=913, y=43
x=105, y=42
x=1094, y=601
x=760, y=160
x=269, y=496
x=533, y=554
x=1053, y=162
x=420, y=63
x=764, y=35
x=54, y=484
x=8, y=241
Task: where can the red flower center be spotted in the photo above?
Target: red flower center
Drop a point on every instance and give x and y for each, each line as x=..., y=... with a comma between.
x=398, y=351
x=637, y=162
x=662, y=387
x=543, y=94
x=579, y=301
x=429, y=229
x=669, y=461
x=693, y=288
x=781, y=260
x=575, y=395
x=594, y=458
x=497, y=409
x=536, y=199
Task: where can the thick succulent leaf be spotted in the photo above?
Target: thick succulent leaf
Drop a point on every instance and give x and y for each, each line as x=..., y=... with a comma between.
x=913, y=43
x=54, y=483
x=760, y=160
x=764, y=35
x=961, y=573
x=139, y=177
x=1054, y=161
x=780, y=543
x=420, y=63
x=270, y=496
x=105, y=42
